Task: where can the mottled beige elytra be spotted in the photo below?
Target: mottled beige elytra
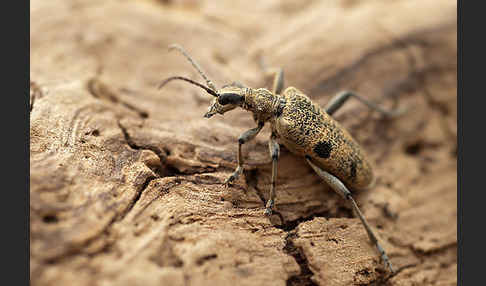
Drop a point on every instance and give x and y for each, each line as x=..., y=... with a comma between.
x=305, y=129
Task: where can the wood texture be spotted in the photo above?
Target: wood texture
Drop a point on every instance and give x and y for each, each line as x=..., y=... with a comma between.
x=126, y=180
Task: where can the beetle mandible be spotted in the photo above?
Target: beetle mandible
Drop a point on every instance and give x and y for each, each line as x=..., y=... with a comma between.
x=301, y=126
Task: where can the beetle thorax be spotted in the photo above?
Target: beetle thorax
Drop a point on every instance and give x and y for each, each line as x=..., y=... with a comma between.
x=261, y=102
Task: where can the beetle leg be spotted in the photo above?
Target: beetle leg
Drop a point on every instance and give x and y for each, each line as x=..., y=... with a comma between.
x=341, y=189
x=245, y=137
x=278, y=76
x=278, y=81
x=339, y=99
x=275, y=153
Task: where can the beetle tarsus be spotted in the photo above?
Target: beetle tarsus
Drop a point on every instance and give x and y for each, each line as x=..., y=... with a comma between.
x=269, y=207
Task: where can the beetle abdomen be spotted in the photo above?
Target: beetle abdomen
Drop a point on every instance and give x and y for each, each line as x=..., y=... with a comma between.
x=305, y=129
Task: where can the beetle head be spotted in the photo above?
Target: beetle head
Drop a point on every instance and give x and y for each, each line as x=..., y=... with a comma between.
x=229, y=97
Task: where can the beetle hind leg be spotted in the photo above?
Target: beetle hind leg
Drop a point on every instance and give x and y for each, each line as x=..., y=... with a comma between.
x=343, y=191
x=339, y=99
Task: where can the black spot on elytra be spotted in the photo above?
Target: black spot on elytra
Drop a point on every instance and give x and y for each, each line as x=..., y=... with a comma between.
x=323, y=149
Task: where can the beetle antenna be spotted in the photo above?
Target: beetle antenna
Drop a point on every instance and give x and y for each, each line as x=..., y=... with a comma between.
x=207, y=89
x=194, y=64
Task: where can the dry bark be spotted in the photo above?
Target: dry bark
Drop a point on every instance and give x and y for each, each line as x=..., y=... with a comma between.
x=126, y=181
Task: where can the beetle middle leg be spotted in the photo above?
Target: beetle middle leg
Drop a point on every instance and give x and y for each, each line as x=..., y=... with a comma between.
x=343, y=191
x=339, y=99
x=275, y=153
x=278, y=80
x=278, y=76
x=245, y=137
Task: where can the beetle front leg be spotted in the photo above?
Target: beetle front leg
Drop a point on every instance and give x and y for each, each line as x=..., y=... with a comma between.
x=275, y=153
x=343, y=191
x=245, y=137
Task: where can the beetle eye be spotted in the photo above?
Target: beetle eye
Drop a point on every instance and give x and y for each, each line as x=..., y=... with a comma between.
x=230, y=98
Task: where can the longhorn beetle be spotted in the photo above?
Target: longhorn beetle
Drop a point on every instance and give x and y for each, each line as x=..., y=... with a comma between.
x=301, y=126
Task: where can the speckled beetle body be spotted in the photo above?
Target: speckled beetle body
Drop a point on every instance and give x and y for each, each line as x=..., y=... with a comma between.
x=302, y=127
x=305, y=129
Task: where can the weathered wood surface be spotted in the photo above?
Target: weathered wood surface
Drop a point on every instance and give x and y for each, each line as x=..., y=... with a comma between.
x=126, y=181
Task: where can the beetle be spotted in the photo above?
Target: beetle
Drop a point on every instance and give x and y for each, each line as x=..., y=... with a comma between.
x=303, y=128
